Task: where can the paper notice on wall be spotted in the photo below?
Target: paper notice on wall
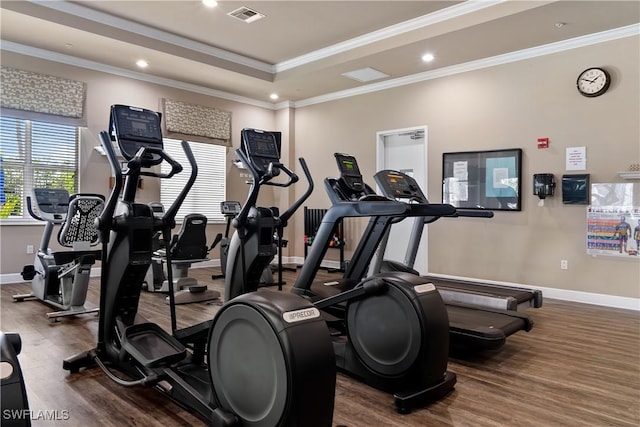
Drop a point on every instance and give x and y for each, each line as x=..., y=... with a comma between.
x=461, y=171
x=576, y=158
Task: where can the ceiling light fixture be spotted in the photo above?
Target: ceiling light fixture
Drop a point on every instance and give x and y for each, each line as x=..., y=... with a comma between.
x=142, y=63
x=210, y=3
x=274, y=96
x=428, y=57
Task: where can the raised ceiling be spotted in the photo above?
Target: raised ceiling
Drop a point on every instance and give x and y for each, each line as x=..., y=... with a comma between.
x=300, y=49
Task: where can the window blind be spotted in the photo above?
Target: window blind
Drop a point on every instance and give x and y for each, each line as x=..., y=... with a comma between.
x=208, y=190
x=35, y=155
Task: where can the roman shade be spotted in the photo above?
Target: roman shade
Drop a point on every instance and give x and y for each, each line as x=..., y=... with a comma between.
x=34, y=96
x=197, y=123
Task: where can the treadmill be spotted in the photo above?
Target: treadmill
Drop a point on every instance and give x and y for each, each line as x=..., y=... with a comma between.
x=401, y=187
x=471, y=328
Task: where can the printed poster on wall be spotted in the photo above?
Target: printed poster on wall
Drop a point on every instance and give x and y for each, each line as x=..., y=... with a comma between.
x=614, y=231
x=613, y=220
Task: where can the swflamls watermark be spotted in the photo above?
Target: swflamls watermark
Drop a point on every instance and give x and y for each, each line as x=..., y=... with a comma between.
x=39, y=415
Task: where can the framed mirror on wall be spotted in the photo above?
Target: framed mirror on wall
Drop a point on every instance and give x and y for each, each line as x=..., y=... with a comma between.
x=483, y=179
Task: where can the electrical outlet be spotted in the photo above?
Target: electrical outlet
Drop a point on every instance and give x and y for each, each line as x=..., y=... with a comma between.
x=564, y=264
x=29, y=249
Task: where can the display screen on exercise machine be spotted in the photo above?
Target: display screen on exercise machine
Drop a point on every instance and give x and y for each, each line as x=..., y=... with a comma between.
x=349, y=171
x=134, y=128
x=261, y=147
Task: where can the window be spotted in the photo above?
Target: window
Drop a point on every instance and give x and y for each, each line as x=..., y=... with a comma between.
x=34, y=155
x=208, y=190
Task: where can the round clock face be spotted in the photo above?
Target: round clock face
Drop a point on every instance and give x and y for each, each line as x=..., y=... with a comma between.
x=593, y=82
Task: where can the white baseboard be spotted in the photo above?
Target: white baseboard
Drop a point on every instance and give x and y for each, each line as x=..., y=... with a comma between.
x=604, y=300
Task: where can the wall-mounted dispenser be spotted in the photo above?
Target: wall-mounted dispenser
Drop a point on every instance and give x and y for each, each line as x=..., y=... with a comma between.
x=544, y=185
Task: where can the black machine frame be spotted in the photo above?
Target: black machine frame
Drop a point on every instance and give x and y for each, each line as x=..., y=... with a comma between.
x=249, y=365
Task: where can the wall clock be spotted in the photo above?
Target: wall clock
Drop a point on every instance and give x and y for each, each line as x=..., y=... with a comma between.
x=593, y=82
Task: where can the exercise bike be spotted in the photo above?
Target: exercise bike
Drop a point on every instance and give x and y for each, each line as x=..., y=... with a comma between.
x=61, y=278
x=390, y=331
x=251, y=365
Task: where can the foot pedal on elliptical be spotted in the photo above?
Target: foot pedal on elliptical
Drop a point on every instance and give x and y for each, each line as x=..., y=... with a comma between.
x=151, y=346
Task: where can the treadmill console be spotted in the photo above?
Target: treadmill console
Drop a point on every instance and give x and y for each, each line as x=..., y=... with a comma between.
x=350, y=172
x=135, y=128
x=52, y=203
x=261, y=148
x=398, y=185
x=230, y=208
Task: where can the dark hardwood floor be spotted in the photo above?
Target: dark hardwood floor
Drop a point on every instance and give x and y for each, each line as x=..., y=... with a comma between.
x=579, y=366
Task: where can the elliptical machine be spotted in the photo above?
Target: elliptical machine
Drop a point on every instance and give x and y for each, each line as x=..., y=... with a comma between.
x=251, y=365
x=61, y=278
x=258, y=229
x=390, y=331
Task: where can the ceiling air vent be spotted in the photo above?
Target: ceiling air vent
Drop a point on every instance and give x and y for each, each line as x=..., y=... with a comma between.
x=246, y=15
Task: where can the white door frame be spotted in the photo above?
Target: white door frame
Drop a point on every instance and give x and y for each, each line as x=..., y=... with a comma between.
x=380, y=165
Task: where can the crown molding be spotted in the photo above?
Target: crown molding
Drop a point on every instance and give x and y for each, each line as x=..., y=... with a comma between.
x=387, y=32
x=578, y=42
x=520, y=55
x=153, y=33
x=97, y=66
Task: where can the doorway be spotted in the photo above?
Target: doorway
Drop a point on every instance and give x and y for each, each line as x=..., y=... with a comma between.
x=405, y=150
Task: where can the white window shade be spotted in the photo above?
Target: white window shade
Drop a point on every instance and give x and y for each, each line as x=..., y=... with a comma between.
x=208, y=190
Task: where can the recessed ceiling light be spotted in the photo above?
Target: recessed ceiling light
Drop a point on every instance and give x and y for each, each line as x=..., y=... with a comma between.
x=274, y=96
x=210, y=3
x=142, y=63
x=428, y=57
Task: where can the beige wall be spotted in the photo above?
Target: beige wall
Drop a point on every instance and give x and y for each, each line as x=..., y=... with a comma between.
x=103, y=90
x=505, y=106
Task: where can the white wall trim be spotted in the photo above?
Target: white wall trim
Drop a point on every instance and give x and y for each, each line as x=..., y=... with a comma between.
x=97, y=66
x=104, y=18
x=548, y=49
x=578, y=42
x=550, y=293
x=385, y=33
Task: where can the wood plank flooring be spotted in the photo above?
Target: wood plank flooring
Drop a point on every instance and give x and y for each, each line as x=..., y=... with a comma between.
x=579, y=366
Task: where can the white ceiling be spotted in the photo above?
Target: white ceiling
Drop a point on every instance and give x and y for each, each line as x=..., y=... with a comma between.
x=301, y=48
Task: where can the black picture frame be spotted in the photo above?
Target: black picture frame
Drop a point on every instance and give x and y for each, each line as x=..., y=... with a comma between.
x=483, y=179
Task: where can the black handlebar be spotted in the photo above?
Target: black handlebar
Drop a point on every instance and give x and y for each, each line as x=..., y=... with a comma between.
x=169, y=217
x=132, y=170
x=289, y=212
x=103, y=222
x=476, y=214
x=265, y=179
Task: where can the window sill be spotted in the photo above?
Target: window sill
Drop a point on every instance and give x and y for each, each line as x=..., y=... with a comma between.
x=19, y=221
